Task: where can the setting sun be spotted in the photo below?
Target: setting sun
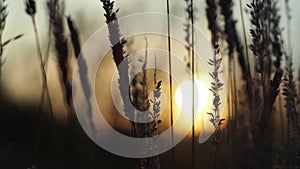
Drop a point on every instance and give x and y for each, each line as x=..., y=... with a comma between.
x=183, y=96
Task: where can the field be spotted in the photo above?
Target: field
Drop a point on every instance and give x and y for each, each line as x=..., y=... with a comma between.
x=170, y=84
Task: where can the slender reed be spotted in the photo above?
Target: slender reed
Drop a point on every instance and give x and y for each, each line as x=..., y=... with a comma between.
x=170, y=81
x=190, y=40
x=31, y=11
x=46, y=59
x=193, y=86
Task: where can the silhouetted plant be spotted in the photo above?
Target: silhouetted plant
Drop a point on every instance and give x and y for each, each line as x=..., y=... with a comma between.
x=170, y=79
x=3, y=16
x=31, y=11
x=56, y=12
x=216, y=85
x=83, y=69
x=74, y=36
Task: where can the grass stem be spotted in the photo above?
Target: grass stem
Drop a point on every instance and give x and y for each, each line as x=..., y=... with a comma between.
x=193, y=86
x=170, y=78
x=42, y=66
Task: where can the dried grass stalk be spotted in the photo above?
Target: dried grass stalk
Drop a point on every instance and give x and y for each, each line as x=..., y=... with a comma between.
x=56, y=12
x=216, y=85
x=118, y=42
x=74, y=36
x=31, y=11
x=83, y=69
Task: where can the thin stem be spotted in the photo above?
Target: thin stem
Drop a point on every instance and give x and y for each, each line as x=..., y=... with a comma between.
x=42, y=66
x=193, y=85
x=217, y=113
x=170, y=77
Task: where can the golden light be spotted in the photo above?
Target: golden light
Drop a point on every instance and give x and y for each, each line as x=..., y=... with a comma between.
x=184, y=97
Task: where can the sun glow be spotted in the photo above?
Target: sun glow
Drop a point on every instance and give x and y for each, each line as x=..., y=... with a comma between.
x=184, y=97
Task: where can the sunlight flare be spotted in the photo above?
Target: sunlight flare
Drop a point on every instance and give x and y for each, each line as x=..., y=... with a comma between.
x=184, y=97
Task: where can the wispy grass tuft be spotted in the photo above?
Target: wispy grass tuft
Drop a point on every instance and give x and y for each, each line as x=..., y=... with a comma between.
x=83, y=69
x=211, y=14
x=114, y=32
x=56, y=12
x=74, y=36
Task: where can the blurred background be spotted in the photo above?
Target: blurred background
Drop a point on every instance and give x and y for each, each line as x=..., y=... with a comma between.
x=20, y=73
x=22, y=83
